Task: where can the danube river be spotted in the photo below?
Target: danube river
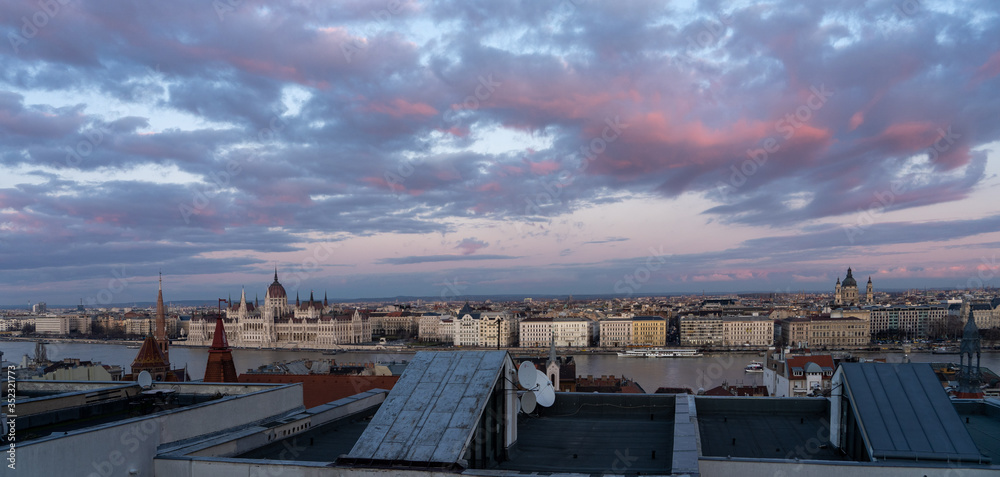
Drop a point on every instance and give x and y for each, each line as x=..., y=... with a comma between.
x=702, y=372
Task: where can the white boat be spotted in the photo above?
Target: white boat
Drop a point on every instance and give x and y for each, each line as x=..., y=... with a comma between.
x=660, y=353
x=754, y=367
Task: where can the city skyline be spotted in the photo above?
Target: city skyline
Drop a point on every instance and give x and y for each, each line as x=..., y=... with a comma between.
x=444, y=150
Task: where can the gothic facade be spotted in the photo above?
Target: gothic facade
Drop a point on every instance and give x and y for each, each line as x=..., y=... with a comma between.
x=277, y=323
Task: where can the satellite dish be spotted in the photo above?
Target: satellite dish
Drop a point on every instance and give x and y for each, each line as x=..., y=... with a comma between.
x=528, y=402
x=526, y=375
x=546, y=396
x=540, y=379
x=145, y=380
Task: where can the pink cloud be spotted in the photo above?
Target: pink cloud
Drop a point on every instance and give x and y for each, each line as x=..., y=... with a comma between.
x=490, y=187
x=988, y=69
x=543, y=167
x=400, y=107
x=471, y=245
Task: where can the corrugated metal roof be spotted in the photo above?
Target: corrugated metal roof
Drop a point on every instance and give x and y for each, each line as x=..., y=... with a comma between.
x=905, y=413
x=431, y=413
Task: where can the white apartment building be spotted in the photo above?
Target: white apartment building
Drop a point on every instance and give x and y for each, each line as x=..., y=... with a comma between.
x=436, y=327
x=568, y=332
x=754, y=331
x=466, y=330
x=913, y=320
x=701, y=330
x=485, y=329
x=62, y=324
x=15, y=323
x=615, y=332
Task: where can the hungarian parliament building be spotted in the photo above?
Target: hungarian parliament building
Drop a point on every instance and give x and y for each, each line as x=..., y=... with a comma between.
x=277, y=324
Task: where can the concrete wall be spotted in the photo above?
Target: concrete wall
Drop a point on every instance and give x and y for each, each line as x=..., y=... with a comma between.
x=117, y=448
x=232, y=444
x=747, y=468
x=108, y=392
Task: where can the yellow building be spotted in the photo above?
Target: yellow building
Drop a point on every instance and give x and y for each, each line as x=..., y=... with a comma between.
x=649, y=331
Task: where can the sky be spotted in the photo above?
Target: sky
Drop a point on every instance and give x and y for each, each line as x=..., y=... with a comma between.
x=454, y=148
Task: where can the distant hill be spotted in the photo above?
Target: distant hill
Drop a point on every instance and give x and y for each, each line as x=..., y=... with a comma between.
x=472, y=298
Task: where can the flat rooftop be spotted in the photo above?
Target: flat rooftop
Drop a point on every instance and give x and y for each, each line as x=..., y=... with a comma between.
x=53, y=407
x=321, y=444
x=597, y=433
x=765, y=428
x=982, y=419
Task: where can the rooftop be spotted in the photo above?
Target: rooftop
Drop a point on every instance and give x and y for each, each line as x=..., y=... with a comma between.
x=320, y=444
x=53, y=407
x=431, y=413
x=924, y=426
x=765, y=428
x=591, y=433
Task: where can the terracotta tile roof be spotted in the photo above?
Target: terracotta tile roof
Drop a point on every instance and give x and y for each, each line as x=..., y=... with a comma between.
x=149, y=355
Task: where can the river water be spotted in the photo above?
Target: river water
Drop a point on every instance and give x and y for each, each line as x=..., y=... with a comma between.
x=701, y=372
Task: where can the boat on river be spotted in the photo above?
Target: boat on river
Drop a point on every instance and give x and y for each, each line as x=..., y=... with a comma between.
x=660, y=353
x=754, y=367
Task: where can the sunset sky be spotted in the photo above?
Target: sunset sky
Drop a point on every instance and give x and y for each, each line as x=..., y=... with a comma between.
x=448, y=148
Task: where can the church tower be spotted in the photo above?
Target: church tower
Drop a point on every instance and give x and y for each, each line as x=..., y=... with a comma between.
x=161, y=325
x=870, y=293
x=837, y=298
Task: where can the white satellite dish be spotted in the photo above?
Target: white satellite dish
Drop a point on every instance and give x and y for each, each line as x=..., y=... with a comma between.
x=526, y=375
x=145, y=380
x=546, y=396
x=540, y=379
x=528, y=402
x=539, y=389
